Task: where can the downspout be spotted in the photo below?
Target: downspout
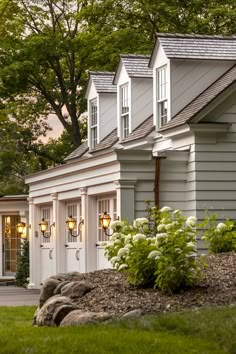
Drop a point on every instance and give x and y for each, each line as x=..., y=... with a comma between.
x=157, y=181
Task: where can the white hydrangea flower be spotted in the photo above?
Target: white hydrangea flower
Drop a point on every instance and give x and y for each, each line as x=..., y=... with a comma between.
x=177, y=212
x=128, y=238
x=122, y=252
x=169, y=227
x=161, y=227
x=115, y=236
x=140, y=222
x=115, y=259
x=117, y=242
x=178, y=232
x=154, y=254
x=191, y=244
x=191, y=221
x=162, y=235
x=128, y=246
x=123, y=266
x=192, y=254
x=221, y=226
x=139, y=237
x=117, y=224
x=164, y=209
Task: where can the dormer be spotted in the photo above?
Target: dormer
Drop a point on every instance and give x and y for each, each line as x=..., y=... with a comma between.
x=183, y=67
x=134, y=93
x=101, y=102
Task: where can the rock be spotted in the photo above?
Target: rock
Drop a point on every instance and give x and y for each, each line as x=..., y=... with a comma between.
x=75, y=289
x=53, y=310
x=47, y=290
x=133, y=314
x=60, y=286
x=79, y=317
x=67, y=276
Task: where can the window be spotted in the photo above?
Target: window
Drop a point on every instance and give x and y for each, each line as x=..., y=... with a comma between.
x=124, y=111
x=93, y=120
x=162, y=95
x=74, y=210
x=110, y=206
x=46, y=215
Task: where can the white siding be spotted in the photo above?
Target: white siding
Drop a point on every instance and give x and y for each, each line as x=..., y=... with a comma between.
x=107, y=114
x=141, y=100
x=190, y=78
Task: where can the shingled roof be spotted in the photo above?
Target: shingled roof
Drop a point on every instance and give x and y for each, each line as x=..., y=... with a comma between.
x=141, y=131
x=107, y=142
x=81, y=150
x=184, y=46
x=201, y=101
x=103, y=81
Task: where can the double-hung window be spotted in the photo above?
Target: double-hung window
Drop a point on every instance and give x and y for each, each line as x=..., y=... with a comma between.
x=162, y=104
x=94, y=122
x=124, y=111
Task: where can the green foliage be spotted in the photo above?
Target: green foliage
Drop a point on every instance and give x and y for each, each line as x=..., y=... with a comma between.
x=157, y=251
x=221, y=237
x=22, y=272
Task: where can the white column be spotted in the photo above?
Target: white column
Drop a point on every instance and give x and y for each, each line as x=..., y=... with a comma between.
x=126, y=199
x=84, y=215
x=34, y=245
x=55, y=232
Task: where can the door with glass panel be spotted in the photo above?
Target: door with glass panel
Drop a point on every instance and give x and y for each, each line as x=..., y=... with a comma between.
x=104, y=205
x=47, y=252
x=11, y=243
x=74, y=240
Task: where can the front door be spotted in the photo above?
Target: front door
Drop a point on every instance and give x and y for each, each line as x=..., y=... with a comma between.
x=108, y=205
x=11, y=243
x=46, y=246
x=74, y=242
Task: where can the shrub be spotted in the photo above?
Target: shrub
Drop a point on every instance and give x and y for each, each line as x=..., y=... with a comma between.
x=22, y=272
x=221, y=237
x=158, y=251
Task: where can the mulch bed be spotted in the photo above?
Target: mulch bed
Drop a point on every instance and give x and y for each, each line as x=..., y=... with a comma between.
x=112, y=293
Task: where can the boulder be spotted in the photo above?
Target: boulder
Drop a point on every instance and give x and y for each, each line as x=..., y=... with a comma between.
x=75, y=289
x=60, y=286
x=67, y=276
x=47, y=290
x=133, y=314
x=54, y=310
x=79, y=317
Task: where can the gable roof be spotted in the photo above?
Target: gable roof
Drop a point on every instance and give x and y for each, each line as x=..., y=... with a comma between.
x=136, y=65
x=81, y=150
x=141, y=131
x=103, y=81
x=191, y=46
x=201, y=101
x=107, y=142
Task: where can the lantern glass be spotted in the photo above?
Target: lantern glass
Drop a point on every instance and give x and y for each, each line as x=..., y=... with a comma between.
x=20, y=227
x=105, y=220
x=43, y=226
x=70, y=223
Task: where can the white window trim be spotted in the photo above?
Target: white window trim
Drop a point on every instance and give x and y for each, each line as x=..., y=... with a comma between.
x=126, y=115
x=165, y=99
x=93, y=127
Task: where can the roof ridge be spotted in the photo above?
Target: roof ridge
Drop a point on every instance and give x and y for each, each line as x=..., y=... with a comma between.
x=101, y=73
x=141, y=56
x=195, y=35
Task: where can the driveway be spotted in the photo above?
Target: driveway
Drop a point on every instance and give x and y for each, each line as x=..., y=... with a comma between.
x=15, y=296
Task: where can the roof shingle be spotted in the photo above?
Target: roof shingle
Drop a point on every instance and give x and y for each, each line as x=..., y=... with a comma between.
x=141, y=131
x=107, y=142
x=103, y=81
x=201, y=101
x=81, y=150
x=184, y=46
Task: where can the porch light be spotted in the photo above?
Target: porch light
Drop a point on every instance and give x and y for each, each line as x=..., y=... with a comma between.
x=105, y=221
x=71, y=223
x=44, y=226
x=21, y=230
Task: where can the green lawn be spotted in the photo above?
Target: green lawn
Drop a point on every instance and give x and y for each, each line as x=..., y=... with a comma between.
x=205, y=331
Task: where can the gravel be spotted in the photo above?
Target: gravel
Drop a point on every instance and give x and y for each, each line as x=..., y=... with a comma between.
x=112, y=293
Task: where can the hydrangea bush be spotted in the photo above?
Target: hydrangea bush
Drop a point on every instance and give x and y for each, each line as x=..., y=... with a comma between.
x=158, y=251
x=221, y=237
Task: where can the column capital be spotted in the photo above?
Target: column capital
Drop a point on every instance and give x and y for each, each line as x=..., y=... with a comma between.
x=83, y=190
x=54, y=196
x=30, y=200
x=125, y=184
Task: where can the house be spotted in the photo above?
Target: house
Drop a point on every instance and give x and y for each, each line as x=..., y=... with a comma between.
x=161, y=128
x=13, y=209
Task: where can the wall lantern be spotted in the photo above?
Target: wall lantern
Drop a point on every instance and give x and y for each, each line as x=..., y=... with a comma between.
x=44, y=226
x=71, y=223
x=105, y=221
x=21, y=230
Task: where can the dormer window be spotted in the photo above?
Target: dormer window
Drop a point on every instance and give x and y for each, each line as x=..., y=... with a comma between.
x=124, y=111
x=94, y=122
x=162, y=95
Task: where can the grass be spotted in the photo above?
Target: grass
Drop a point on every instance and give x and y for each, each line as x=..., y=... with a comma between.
x=206, y=331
